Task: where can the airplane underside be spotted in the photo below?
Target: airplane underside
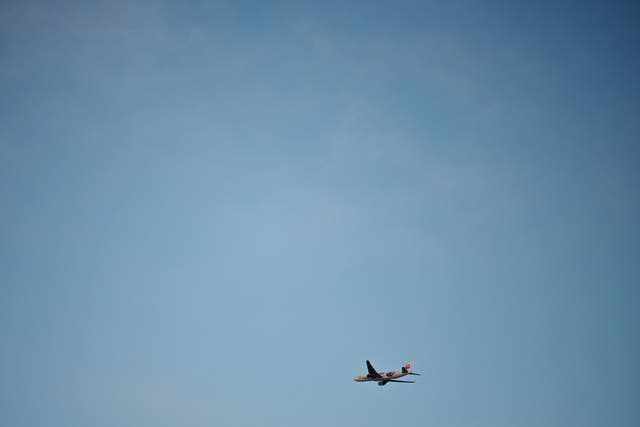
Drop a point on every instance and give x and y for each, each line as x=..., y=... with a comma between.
x=383, y=382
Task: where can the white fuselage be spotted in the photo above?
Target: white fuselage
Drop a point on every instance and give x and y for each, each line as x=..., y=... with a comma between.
x=391, y=375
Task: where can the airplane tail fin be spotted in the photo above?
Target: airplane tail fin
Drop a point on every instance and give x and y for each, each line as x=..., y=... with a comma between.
x=406, y=369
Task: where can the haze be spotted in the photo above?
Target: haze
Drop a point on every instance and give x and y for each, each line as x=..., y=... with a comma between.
x=212, y=213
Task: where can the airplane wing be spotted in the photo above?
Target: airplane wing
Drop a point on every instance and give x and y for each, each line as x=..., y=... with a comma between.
x=372, y=372
x=399, y=381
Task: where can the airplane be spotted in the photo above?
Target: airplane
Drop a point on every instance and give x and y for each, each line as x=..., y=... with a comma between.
x=386, y=377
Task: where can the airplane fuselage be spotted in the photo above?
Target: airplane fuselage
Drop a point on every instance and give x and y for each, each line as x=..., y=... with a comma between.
x=391, y=375
x=383, y=378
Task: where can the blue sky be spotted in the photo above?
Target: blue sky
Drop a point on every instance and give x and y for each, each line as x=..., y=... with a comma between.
x=213, y=212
